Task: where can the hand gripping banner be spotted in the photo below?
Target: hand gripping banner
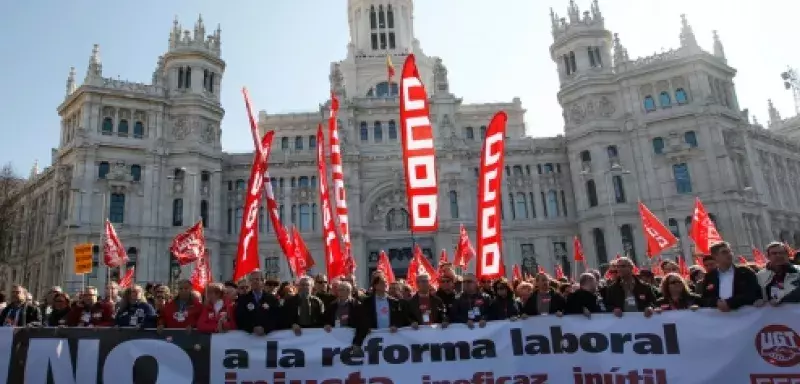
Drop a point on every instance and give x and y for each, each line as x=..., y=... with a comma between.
x=419, y=157
x=490, y=235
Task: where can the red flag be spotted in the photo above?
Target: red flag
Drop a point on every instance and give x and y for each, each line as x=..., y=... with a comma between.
x=337, y=177
x=540, y=270
x=385, y=266
x=189, y=246
x=682, y=268
x=389, y=68
x=420, y=265
x=742, y=260
x=759, y=258
x=698, y=260
x=419, y=157
x=578, y=249
x=635, y=269
x=261, y=149
x=302, y=257
x=127, y=280
x=516, y=274
x=334, y=260
x=201, y=275
x=247, y=259
x=703, y=231
x=656, y=268
x=272, y=210
x=464, y=249
x=114, y=253
x=559, y=271
x=789, y=250
x=490, y=234
x=443, y=258
x=658, y=237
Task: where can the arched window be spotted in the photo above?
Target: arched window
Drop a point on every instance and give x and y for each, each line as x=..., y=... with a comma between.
x=230, y=221
x=392, y=130
x=564, y=203
x=512, y=207
x=453, y=205
x=180, y=77
x=305, y=217
x=373, y=18
x=313, y=217
x=178, y=173
x=665, y=99
x=138, y=130
x=397, y=220
x=389, y=17
x=116, y=210
x=240, y=185
x=469, y=133
x=517, y=170
x=312, y=142
x=521, y=206
x=381, y=17
x=690, y=137
x=377, y=132
x=187, y=78
x=284, y=143
x=298, y=143
x=294, y=214
x=108, y=126
x=628, y=244
x=572, y=64
x=680, y=96
x=383, y=89
x=552, y=204
x=314, y=182
x=122, y=129
x=591, y=193
x=483, y=132
x=683, y=180
x=673, y=227
x=364, y=131
x=211, y=82
x=586, y=157
x=612, y=151
x=133, y=256
x=619, y=188
x=302, y=182
x=600, y=246
x=649, y=103
x=293, y=183
x=658, y=145
x=103, y=169
x=177, y=212
x=261, y=219
x=566, y=64
x=204, y=212
x=237, y=220
x=548, y=168
x=205, y=79
x=136, y=172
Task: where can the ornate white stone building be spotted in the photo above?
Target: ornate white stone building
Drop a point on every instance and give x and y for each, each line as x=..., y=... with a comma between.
x=664, y=129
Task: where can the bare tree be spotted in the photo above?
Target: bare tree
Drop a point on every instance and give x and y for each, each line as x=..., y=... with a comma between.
x=10, y=185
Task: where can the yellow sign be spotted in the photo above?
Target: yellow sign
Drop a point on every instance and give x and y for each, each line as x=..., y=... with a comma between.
x=83, y=258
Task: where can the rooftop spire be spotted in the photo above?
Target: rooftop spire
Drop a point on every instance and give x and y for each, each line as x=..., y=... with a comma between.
x=719, y=50
x=95, y=68
x=71, y=81
x=596, y=14
x=687, y=34
x=34, y=169
x=573, y=12
x=620, y=52
x=199, y=30
x=774, y=115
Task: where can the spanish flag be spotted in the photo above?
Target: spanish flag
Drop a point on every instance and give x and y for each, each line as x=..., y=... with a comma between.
x=389, y=67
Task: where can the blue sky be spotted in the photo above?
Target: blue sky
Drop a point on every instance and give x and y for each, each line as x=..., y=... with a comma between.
x=494, y=50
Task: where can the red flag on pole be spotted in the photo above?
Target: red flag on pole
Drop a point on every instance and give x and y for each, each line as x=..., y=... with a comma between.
x=114, y=253
x=703, y=231
x=385, y=267
x=189, y=246
x=490, y=234
x=658, y=237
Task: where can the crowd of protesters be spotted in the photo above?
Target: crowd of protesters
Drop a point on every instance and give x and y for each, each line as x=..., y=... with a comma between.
x=259, y=306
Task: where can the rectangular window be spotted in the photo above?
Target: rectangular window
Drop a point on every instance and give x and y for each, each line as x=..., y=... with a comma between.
x=383, y=40
x=375, y=41
x=392, y=42
x=683, y=180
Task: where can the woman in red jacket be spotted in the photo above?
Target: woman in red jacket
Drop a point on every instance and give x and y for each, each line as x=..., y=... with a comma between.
x=217, y=313
x=183, y=310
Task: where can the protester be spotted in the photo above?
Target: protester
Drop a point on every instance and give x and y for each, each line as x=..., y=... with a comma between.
x=627, y=293
x=382, y=311
x=60, y=311
x=472, y=305
x=780, y=280
x=675, y=294
x=505, y=305
x=728, y=287
x=90, y=312
x=586, y=299
x=258, y=311
x=426, y=308
x=217, y=314
x=135, y=311
x=303, y=310
x=20, y=312
x=183, y=310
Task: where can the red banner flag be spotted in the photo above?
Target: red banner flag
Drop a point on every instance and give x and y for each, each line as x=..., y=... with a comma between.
x=443, y=258
x=759, y=258
x=578, y=249
x=464, y=249
x=741, y=260
x=419, y=157
x=301, y=258
x=490, y=236
x=334, y=262
x=201, y=275
x=337, y=176
x=127, y=280
x=658, y=237
x=389, y=69
x=247, y=259
x=420, y=265
x=274, y=217
x=682, y=268
x=114, y=253
x=559, y=272
x=385, y=267
x=189, y=246
x=703, y=231
x=516, y=274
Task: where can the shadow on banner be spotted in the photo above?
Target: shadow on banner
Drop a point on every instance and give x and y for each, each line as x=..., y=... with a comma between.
x=86, y=355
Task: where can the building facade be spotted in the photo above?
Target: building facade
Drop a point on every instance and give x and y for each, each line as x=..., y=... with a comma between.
x=662, y=129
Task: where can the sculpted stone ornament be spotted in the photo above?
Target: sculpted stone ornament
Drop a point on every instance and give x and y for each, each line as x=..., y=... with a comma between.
x=392, y=200
x=337, y=80
x=209, y=134
x=180, y=128
x=606, y=107
x=576, y=114
x=119, y=172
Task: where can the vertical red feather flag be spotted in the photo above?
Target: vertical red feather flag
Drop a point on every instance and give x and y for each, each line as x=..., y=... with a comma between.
x=247, y=259
x=337, y=176
x=385, y=266
x=334, y=260
x=419, y=156
x=464, y=249
x=490, y=234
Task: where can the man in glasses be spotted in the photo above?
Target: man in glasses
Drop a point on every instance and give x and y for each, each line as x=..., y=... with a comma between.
x=472, y=305
x=447, y=295
x=258, y=311
x=780, y=280
x=20, y=312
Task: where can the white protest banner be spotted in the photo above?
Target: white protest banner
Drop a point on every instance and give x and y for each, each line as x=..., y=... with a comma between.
x=6, y=346
x=749, y=346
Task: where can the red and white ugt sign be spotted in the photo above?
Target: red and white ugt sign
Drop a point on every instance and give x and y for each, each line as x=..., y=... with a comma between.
x=419, y=156
x=490, y=234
